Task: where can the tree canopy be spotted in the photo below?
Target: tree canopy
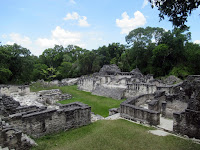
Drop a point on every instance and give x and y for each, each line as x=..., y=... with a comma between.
x=177, y=10
x=152, y=50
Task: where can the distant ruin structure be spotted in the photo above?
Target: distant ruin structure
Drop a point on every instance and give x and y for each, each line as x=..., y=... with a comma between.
x=148, y=99
x=111, y=82
x=8, y=89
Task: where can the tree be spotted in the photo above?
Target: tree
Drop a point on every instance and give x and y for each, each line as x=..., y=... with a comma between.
x=65, y=69
x=176, y=10
x=5, y=59
x=161, y=64
x=20, y=64
x=111, y=53
x=50, y=73
x=145, y=35
x=52, y=56
x=38, y=72
x=4, y=75
x=176, y=40
x=193, y=57
x=124, y=64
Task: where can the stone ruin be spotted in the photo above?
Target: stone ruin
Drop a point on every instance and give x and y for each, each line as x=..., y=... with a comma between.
x=11, y=137
x=111, y=82
x=50, y=97
x=63, y=82
x=149, y=100
x=18, y=120
x=8, y=89
x=23, y=95
x=187, y=122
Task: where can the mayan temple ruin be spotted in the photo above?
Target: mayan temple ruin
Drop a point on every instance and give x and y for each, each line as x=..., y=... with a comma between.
x=18, y=121
x=149, y=100
x=172, y=105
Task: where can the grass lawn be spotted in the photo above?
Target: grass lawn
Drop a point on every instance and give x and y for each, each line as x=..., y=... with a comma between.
x=112, y=135
x=107, y=134
x=100, y=105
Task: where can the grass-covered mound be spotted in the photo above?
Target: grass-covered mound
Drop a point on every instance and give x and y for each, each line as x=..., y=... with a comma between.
x=112, y=135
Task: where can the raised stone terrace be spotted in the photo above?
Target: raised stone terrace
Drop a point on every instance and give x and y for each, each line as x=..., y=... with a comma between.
x=36, y=121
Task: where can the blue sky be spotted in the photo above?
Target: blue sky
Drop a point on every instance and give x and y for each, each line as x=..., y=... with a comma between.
x=40, y=24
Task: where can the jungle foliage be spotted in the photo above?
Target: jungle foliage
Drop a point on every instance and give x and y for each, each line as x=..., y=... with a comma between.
x=152, y=50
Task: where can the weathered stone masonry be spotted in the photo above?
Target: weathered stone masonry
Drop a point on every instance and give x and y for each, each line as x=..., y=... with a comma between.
x=37, y=121
x=111, y=82
x=9, y=136
x=7, y=89
x=130, y=109
x=48, y=121
x=188, y=122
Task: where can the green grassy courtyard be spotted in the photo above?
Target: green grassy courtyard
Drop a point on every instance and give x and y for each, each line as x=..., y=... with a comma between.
x=107, y=134
x=100, y=105
x=112, y=135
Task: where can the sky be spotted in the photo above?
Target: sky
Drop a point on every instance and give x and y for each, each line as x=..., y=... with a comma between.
x=40, y=24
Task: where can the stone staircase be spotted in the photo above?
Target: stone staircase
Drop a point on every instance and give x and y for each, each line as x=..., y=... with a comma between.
x=116, y=93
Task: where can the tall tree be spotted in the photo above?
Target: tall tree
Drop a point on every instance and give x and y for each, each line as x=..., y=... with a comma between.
x=145, y=35
x=21, y=63
x=176, y=10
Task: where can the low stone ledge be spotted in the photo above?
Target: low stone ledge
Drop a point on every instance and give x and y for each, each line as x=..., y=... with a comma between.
x=39, y=113
x=133, y=112
x=113, y=111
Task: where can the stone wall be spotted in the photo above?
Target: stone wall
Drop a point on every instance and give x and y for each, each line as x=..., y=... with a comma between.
x=47, y=121
x=7, y=89
x=7, y=105
x=87, y=84
x=48, y=97
x=139, y=114
x=136, y=89
x=63, y=82
x=113, y=92
x=113, y=111
x=188, y=121
x=130, y=109
x=10, y=138
x=69, y=81
x=37, y=121
x=174, y=105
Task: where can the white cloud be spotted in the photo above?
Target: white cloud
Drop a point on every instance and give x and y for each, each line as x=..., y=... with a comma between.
x=19, y=39
x=145, y=3
x=72, y=1
x=82, y=20
x=60, y=36
x=127, y=24
x=4, y=36
x=197, y=41
x=72, y=16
